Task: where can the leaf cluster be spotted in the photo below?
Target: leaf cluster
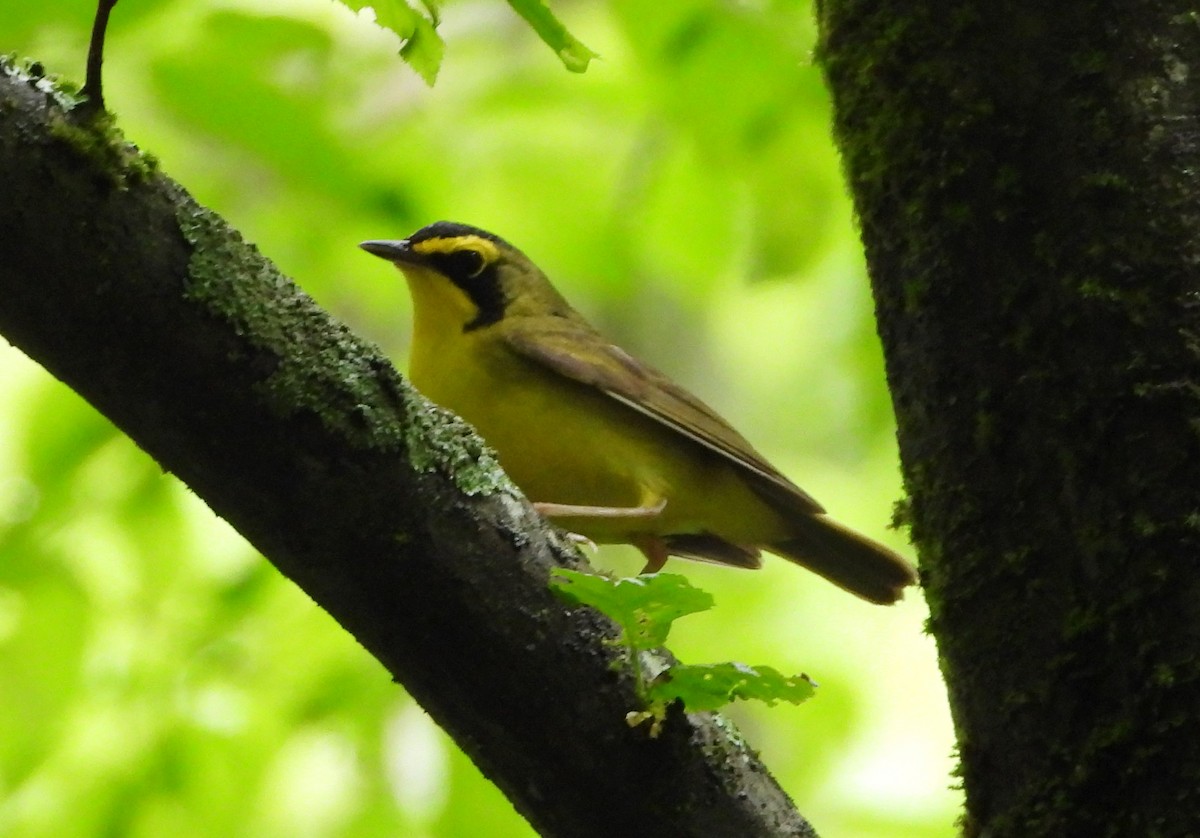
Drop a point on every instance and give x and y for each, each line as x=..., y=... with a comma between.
x=423, y=47
x=645, y=607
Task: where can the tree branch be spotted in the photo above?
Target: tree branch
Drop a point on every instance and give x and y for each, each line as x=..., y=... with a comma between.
x=386, y=511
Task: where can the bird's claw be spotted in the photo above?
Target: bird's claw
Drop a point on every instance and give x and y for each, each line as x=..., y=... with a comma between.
x=581, y=541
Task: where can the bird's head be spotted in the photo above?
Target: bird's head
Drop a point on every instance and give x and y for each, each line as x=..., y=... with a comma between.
x=468, y=276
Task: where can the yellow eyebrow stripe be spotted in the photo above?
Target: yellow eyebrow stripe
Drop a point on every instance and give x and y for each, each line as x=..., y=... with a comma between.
x=484, y=247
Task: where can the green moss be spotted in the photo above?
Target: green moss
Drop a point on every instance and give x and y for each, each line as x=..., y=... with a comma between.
x=1146, y=525
x=95, y=137
x=1163, y=675
x=99, y=141
x=438, y=439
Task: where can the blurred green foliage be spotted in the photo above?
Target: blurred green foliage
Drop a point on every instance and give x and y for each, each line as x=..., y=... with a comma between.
x=157, y=677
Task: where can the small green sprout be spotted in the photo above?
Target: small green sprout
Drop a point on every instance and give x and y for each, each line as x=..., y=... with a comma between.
x=645, y=607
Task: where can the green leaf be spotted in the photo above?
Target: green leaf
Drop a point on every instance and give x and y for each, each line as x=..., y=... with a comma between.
x=423, y=50
x=423, y=47
x=574, y=55
x=644, y=606
x=711, y=686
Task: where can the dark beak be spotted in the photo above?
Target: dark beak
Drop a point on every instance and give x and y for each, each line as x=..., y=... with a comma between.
x=393, y=251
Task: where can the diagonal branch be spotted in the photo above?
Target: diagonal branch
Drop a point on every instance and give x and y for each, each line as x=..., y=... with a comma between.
x=386, y=511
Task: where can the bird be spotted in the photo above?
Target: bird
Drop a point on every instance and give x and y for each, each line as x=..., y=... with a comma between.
x=603, y=444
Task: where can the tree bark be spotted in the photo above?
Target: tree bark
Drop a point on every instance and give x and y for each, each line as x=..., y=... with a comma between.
x=388, y=512
x=1027, y=176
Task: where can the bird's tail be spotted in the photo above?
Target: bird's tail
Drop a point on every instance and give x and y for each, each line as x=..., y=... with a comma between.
x=849, y=560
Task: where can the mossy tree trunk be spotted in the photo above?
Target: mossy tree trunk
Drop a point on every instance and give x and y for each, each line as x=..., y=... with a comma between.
x=1027, y=178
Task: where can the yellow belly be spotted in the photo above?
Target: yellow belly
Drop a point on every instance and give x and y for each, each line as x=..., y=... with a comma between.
x=568, y=443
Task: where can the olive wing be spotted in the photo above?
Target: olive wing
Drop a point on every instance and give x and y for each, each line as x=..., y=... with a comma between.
x=572, y=348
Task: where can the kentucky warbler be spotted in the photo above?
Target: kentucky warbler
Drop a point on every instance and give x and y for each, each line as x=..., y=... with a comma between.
x=606, y=445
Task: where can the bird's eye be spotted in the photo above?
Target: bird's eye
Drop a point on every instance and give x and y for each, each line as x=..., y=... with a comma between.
x=465, y=264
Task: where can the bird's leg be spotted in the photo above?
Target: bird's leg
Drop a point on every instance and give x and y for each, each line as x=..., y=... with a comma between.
x=567, y=510
x=653, y=547
x=581, y=541
x=655, y=551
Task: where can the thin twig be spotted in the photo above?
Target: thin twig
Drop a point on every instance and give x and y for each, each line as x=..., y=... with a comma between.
x=92, y=87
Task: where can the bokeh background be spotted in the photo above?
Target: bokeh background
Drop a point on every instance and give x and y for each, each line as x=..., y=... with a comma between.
x=158, y=677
